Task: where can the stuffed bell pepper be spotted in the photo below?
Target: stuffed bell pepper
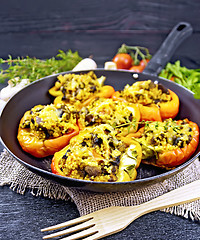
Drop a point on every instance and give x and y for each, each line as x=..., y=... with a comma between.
x=155, y=102
x=46, y=129
x=80, y=89
x=96, y=154
x=167, y=144
x=124, y=117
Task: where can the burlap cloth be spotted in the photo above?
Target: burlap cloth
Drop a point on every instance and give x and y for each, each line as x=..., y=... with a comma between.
x=20, y=179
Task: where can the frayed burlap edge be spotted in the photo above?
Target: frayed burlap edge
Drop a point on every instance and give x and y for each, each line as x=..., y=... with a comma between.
x=20, y=179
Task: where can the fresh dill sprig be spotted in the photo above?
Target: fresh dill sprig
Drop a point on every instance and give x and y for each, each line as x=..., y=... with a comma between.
x=132, y=124
x=33, y=68
x=128, y=124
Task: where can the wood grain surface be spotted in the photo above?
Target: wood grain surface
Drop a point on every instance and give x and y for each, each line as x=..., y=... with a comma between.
x=97, y=28
x=22, y=217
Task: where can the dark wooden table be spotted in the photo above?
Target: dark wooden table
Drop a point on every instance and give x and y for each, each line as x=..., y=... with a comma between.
x=22, y=217
x=97, y=28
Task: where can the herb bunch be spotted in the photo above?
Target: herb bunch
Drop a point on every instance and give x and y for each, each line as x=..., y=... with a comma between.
x=33, y=68
x=189, y=78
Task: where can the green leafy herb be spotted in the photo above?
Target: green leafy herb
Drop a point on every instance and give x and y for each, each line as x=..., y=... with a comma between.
x=128, y=124
x=132, y=124
x=156, y=125
x=130, y=167
x=33, y=68
x=189, y=78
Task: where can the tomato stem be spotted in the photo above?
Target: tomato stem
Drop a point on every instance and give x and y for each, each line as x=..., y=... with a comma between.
x=136, y=52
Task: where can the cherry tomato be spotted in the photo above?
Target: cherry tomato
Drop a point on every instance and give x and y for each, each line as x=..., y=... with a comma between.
x=144, y=62
x=123, y=60
x=137, y=68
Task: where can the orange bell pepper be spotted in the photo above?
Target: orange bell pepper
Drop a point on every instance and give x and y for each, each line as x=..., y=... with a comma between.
x=106, y=111
x=131, y=136
x=86, y=161
x=170, y=109
x=172, y=158
x=42, y=147
x=165, y=110
x=55, y=163
x=149, y=113
x=58, y=155
x=180, y=155
x=116, y=97
x=106, y=92
x=54, y=167
x=146, y=113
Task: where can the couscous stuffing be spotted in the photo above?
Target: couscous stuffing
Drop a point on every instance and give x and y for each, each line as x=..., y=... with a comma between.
x=104, y=137
x=50, y=121
x=124, y=117
x=96, y=154
x=145, y=93
x=76, y=88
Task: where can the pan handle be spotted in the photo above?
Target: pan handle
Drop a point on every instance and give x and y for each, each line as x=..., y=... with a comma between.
x=178, y=34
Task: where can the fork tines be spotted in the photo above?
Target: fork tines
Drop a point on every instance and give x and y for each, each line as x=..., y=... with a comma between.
x=81, y=223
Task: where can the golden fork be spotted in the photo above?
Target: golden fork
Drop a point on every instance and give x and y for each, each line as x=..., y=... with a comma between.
x=111, y=220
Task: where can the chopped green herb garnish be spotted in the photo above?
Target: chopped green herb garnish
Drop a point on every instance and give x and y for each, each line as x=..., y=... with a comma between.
x=130, y=167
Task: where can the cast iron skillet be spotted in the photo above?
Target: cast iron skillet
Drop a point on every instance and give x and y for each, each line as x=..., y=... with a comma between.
x=37, y=93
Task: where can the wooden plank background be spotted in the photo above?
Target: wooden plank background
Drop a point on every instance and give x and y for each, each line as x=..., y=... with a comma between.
x=97, y=28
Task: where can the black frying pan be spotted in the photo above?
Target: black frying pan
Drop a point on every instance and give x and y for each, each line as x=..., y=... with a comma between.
x=37, y=93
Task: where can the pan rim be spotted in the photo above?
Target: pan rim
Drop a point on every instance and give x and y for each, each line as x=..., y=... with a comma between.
x=143, y=180
x=136, y=181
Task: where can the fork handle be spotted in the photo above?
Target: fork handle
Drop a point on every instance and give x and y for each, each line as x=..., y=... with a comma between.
x=185, y=194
